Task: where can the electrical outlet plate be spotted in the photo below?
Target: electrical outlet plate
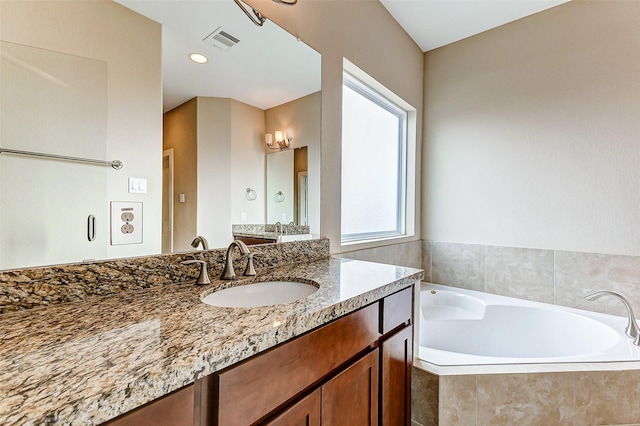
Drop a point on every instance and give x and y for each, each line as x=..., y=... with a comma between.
x=126, y=222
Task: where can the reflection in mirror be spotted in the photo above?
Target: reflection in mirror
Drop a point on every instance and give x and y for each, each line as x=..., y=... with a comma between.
x=262, y=76
x=287, y=186
x=47, y=204
x=280, y=178
x=219, y=144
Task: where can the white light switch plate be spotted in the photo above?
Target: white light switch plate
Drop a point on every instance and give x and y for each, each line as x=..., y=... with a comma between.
x=137, y=186
x=126, y=222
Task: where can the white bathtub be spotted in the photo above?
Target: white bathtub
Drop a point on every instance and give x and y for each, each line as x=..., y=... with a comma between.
x=464, y=327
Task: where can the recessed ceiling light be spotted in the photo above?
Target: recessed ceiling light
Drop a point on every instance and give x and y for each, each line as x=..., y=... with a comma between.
x=198, y=58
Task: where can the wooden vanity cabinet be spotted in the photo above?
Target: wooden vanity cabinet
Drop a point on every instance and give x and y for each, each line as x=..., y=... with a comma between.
x=355, y=370
x=364, y=382
x=305, y=412
x=253, y=391
x=349, y=398
x=396, y=361
x=396, y=358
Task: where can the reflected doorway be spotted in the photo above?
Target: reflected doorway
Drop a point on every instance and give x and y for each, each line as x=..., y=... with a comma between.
x=167, y=201
x=303, y=198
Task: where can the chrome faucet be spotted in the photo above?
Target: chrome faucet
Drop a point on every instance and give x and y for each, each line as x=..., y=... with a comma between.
x=229, y=273
x=278, y=226
x=631, y=329
x=200, y=240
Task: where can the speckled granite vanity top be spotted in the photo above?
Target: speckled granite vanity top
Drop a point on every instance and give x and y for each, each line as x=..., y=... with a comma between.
x=88, y=361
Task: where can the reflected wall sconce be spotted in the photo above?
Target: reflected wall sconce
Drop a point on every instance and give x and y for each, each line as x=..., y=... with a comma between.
x=283, y=139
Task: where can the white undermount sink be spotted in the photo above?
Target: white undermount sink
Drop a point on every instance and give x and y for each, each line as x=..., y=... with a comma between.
x=260, y=294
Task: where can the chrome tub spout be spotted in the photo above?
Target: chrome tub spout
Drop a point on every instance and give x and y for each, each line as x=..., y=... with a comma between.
x=631, y=329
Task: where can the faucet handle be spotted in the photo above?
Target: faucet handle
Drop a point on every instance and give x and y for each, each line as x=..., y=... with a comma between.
x=203, y=278
x=250, y=271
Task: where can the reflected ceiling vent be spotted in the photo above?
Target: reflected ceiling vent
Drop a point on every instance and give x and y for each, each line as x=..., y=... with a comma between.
x=221, y=39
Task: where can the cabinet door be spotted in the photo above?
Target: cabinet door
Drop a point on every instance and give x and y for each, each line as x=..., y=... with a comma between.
x=176, y=409
x=396, y=359
x=351, y=397
x=306, y=412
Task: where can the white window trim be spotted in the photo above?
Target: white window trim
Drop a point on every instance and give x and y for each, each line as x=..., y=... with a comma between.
x=408, y=181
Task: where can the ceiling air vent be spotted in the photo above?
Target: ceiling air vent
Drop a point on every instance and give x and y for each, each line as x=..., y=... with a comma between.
x=221, y=39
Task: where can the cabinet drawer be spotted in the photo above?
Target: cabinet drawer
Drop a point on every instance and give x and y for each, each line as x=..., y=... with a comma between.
x=251, y=390
x=396, y=310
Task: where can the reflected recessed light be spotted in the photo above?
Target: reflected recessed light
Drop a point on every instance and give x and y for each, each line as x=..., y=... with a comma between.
x=196, y=57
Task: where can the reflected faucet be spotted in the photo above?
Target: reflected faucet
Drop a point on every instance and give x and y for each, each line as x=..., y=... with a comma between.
x=229, y=273
x=631, y=329
x=198, y=240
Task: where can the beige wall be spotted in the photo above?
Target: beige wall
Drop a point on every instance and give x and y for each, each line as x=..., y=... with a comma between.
x=248, y=164
x=214, y=170
x=531, y=133
x=366, y=34
x=304, y=117
x=180, y=133
x=131, y=46
x=218, y=153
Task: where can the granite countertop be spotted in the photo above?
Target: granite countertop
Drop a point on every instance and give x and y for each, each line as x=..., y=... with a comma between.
x=257, y=234
x=89, y=361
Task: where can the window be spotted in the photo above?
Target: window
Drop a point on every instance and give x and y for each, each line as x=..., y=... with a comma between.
x=374, y=162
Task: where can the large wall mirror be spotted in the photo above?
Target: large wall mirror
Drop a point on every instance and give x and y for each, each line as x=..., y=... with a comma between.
x=267, y=81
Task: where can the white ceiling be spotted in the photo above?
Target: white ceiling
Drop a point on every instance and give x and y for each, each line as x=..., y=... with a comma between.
x=435, y=23
x=268, y=67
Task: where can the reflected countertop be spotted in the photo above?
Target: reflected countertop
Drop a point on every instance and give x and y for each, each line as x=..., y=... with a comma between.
x=87, y=362
x=257, y=234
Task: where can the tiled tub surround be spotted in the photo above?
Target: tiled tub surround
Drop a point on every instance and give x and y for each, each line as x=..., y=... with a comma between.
x=561, y=393
x=87, y=361
x=37, y=287
x=404, y=254
x=571, y=398
x=548, y=276
x=533, y=394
